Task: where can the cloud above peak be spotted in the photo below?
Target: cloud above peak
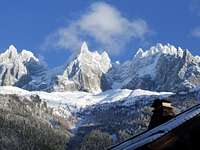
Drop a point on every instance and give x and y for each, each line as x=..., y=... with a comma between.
x=104, y=25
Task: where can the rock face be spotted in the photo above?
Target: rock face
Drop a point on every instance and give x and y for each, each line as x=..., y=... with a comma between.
x=22, y=69
x=85, y=72
x=161, y=68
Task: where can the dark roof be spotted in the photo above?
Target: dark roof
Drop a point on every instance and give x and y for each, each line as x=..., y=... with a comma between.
x=161, y=131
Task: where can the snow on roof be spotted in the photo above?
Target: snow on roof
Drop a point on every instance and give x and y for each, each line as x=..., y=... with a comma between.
x=166, y=104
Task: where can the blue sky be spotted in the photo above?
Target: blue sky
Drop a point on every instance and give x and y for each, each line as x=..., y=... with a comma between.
x=55, y=29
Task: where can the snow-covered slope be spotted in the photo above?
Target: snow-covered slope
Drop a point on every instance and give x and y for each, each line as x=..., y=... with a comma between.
x=161, y=68
x=76, y=100
x=85, y=72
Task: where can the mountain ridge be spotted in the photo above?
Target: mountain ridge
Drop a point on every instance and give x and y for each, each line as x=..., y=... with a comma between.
x=94, y=72
x=161, y=68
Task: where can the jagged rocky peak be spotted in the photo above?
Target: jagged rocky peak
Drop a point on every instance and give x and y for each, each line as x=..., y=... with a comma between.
x=84, y=47
x=94, y=59
x=159, y=48
x=11, y=52
x=11, y=67
x=85, y=72
x=84, y=53
x=21, y=69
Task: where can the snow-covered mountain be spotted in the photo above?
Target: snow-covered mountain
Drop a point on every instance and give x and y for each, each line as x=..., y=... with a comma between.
x=22, y=69
x=161, y=68
x=85, y=72
x=91, y=92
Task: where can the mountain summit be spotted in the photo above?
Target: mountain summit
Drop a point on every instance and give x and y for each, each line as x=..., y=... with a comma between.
x=84, y=48
x=21, y=69
x=85, y=72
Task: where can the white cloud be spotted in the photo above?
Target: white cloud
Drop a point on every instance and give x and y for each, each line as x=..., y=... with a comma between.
x=102, y=23
x=196, y=32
